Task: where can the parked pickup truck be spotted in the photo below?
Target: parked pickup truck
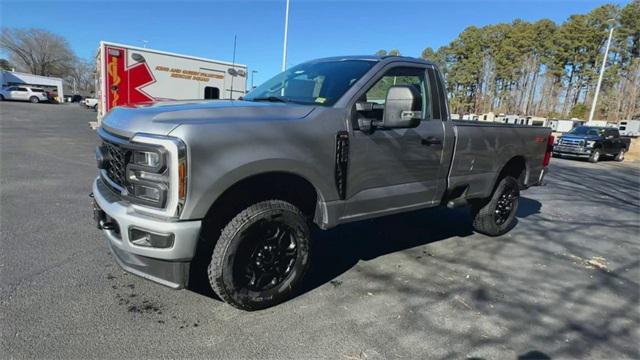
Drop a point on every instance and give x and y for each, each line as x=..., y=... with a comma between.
x=227, y=191
x=592, y=143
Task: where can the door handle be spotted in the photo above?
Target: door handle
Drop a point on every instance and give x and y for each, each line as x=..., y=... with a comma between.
x=431, y=140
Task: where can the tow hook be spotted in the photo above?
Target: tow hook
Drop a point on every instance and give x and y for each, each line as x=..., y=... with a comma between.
x=100, y=216
x=103, y=225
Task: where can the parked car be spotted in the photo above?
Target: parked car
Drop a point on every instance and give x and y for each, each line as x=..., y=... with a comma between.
x=592, y=143
x=76, y=99
x=91, y=103
x=226, y=191
x=24, y=93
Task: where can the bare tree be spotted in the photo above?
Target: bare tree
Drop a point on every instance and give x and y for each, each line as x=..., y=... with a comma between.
x=37, y=51
x=81, y=74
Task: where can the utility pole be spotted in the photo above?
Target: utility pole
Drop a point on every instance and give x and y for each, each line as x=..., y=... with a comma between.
x=286, y=30
x=253, y=72
x=233, y=66
x=604, y=63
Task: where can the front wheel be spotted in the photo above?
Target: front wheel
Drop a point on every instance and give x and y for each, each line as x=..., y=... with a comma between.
x=261, y=256
x=620, y=155
x=34, y=100
x=595, y=156
x=497, y=215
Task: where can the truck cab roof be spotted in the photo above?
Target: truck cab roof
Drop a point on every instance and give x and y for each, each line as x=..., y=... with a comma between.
x=376, y=58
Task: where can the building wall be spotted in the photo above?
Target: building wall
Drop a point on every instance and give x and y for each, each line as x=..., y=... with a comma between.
x=8, y=78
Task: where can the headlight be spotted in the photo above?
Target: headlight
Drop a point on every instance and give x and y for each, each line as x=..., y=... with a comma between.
x=157, y=174
x=146, y=158
x=591, y=144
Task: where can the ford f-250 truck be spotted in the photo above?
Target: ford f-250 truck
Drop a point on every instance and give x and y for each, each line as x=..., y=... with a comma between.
x=592, y=142
x=226, y=191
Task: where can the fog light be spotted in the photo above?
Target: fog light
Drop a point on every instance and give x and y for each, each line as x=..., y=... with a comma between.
x=145, y=238
x=146, y=193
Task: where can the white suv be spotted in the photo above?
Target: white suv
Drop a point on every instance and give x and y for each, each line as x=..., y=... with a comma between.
x=24, y=93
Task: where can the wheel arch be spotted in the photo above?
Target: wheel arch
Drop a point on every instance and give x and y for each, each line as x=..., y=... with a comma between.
x=515, y=167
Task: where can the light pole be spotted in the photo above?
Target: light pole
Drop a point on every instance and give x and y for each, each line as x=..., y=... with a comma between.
x=286, y=29
x=604, y=63
x=253, y=72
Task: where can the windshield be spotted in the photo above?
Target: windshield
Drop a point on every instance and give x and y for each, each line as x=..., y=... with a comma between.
x=318, y=83
x=585, y=130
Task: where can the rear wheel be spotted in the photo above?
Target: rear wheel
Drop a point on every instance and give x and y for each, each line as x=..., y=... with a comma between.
x=261, y=256
x=34, y=99
x=497, y=215
x=620, y=155
x=595, y=156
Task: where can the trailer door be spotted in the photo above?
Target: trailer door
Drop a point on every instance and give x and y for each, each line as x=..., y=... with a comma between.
x=211, y=92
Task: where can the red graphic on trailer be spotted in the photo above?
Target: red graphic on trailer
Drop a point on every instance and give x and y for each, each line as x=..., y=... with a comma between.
x=124, y=84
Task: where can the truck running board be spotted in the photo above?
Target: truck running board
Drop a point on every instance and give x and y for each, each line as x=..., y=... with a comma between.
x=458, y=197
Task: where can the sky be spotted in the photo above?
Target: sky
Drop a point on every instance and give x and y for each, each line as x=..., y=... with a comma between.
x=316, y=28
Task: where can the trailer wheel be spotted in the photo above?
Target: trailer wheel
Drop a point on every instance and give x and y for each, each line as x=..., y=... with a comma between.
x=497, y=215
x=34, y=100
x=261, y=256
x=595, y=156
x=620, y=155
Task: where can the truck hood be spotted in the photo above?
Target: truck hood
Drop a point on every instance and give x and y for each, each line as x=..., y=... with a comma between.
x=162, y=117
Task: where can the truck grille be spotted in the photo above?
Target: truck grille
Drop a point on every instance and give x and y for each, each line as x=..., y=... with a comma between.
x=116, y=162
x=572, y=142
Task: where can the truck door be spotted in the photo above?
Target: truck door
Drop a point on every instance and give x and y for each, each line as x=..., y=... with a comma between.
x=395, y=169
x=613, y=136
x=607, y=141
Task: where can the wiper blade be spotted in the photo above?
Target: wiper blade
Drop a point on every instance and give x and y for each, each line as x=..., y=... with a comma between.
x=271, y=99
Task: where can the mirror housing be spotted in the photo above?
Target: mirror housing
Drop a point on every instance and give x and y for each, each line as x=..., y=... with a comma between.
x=402, y=107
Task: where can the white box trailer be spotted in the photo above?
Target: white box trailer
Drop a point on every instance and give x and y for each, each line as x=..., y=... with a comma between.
x=629, y=128
x=563, y=126
x=128, y=75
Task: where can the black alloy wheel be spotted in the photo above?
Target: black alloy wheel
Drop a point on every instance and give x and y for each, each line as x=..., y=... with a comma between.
x=261, y=256
x=266, y=255
x=507, y=204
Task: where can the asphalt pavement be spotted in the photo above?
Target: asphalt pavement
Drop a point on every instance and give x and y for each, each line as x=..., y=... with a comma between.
x=563, y=284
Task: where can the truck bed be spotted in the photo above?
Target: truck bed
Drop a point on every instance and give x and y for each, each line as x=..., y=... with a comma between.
x=481, y=149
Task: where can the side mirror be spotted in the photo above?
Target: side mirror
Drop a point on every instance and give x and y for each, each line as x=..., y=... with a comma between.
x=402, y=107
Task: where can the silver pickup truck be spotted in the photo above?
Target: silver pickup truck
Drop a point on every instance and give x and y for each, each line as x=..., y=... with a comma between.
x=227, y=191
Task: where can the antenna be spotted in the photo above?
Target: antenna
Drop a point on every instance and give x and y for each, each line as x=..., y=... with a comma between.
x=144, y=43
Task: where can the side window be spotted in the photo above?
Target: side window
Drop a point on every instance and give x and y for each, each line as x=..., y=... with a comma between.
x=211, y=92
x=22, y=89
x=415, y=77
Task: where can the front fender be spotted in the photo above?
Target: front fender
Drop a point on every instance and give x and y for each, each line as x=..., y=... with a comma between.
x=201, y=202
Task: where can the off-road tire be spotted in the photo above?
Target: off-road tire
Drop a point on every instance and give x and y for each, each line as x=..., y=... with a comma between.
x=34, y=100
x=595, y=156
x=222, y=277
x=484, y=213
x=620, y=156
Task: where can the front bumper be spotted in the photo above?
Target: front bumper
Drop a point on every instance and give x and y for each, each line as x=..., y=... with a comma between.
x=167, y=266
x=577, y=151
